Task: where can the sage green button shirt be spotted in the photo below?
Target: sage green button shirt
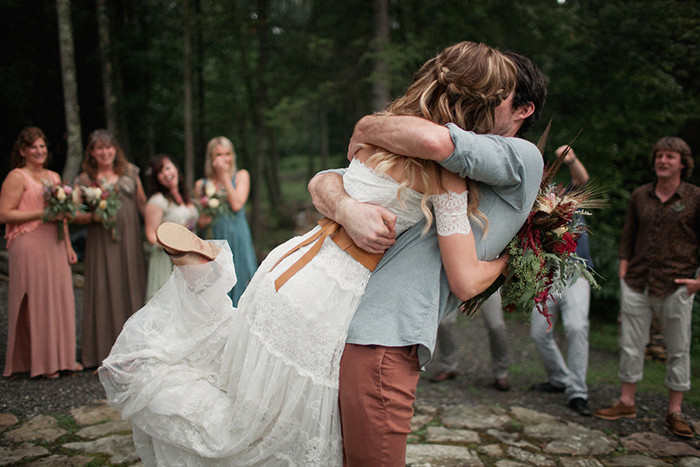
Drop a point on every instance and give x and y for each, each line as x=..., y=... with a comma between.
x=408, y=293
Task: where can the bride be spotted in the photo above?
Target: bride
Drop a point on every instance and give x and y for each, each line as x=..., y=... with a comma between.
x=205, y=383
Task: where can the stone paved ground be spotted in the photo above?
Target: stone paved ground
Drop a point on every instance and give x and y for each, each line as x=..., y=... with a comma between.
x=462, y=422
x=460, y=435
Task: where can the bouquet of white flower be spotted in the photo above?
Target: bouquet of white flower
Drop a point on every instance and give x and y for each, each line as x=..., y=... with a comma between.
x=104, y=202
x=212, y=203
x=59, y=202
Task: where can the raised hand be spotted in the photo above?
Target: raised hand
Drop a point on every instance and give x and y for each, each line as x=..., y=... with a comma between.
x=221, y=168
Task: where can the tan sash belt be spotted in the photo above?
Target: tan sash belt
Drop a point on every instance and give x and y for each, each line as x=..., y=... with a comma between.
x=336, y=231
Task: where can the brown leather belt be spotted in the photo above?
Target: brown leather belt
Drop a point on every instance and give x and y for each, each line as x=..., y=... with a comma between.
x=329, y=228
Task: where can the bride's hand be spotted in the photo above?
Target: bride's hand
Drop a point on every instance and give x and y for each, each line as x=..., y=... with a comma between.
x=504, y=257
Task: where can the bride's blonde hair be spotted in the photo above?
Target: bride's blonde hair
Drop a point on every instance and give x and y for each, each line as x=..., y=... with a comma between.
x=462, y=85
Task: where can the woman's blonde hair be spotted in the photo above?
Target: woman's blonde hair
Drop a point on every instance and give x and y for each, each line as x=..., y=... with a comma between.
x=462, y=85
x=211, y=146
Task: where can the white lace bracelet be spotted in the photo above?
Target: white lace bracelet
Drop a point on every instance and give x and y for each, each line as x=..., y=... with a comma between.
x=451, y=213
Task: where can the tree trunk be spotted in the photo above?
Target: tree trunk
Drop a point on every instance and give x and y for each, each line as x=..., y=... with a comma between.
x=323, y=134
x=310, y=165
x=201, y=130
x=112, y=87
x=70, y=91
x=187, y=65
x=107, y=68
x=380, y=82
x=272, y=175
x=258, y=107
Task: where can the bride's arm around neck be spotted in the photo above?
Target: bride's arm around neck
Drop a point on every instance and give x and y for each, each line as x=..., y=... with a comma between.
x=467, y=275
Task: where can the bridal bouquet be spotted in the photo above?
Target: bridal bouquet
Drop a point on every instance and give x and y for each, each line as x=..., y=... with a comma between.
x=212, y=203
x=104, y=202
x=59, y=202
x=543, y=259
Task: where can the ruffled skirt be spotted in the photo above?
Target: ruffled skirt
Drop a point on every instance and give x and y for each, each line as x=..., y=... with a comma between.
x=205, y=383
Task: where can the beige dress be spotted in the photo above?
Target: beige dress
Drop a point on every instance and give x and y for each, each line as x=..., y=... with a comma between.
x=41, y=305
x=115, y=274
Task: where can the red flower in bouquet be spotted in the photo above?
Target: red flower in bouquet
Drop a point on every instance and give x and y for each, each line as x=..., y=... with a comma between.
x=566, y=245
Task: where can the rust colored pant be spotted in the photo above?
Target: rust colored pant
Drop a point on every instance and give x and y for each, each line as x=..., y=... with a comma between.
x=377, y=390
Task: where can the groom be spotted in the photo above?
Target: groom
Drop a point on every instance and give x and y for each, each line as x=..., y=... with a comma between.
x=393, y=332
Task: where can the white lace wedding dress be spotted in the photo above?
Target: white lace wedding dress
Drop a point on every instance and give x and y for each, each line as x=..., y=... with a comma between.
x=208, y=384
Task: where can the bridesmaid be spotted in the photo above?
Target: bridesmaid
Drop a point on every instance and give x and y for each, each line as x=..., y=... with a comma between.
x=234, y=186
x=41, y=306
x=169, y=202
x=115, y=270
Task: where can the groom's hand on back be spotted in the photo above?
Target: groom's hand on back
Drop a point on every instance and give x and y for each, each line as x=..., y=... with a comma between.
x=371, y=227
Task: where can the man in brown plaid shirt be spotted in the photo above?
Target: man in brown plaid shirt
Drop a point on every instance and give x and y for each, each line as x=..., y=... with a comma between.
x=658, y=268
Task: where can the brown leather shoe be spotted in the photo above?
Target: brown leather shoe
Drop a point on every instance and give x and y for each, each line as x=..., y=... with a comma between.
x=617, y=410
x=676, y=422
x=443, y=376
x=502, y=384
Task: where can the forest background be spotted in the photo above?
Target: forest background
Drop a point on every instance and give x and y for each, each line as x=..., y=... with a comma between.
x=286, y=80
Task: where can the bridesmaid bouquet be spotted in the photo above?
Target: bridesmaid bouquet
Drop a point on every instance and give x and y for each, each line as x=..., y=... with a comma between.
x=212, y=203
x=543, y=259
x=59, y=202
x=104, y=202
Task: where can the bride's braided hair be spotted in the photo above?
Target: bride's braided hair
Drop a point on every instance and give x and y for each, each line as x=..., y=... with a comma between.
x=462, y=85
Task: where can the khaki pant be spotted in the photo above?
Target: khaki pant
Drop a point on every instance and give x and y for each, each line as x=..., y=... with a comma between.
x=675, y=312
x=376, y=394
